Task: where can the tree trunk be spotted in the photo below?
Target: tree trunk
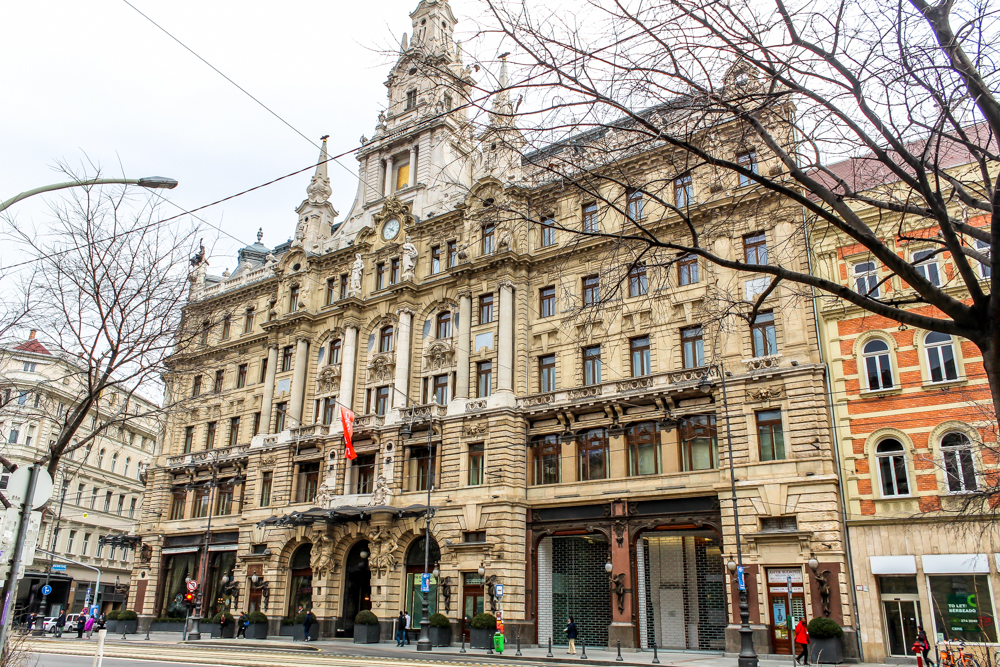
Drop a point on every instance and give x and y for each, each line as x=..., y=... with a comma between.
x=991, y=364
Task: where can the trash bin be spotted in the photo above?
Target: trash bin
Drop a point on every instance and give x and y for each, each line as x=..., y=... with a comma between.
x=498, y=642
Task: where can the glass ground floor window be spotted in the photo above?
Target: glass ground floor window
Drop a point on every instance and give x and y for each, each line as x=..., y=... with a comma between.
x=580, y=588
x=176, y=567
x=963, y=607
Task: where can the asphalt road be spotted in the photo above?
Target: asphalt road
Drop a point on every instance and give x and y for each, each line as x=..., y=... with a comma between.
x=52, y=660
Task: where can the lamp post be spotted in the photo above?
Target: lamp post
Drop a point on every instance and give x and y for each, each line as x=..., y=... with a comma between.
x=195, y=620
x=747, y=657
x=152, y=182
x=424, y=643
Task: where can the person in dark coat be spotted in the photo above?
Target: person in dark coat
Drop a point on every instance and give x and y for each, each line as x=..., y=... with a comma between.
x=925, y=646
x=401, y=629
x=802, y=639
x=81, y=621
x=571, y=636
x=307, y=624
x=60, y=623
x=241, y=625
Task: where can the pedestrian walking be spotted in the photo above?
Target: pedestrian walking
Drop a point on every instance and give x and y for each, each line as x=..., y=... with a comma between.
x=925, y=646
x=29, y=622
x=571, y=636
x=60, y=623
x=102, y=621
x=89, y=626
x=241, y=625
x=802, y=639
x=406, y=629
x=307, y=624
x=401, y=628
x=81, y=622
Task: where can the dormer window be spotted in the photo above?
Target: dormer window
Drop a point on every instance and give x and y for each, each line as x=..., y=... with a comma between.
x=411, y=99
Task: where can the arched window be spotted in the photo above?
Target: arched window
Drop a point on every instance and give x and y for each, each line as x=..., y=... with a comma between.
x=128, y=464
x=892, y=468
x=959, y=462
x=114, y=461
x=444, y=325
x=335, y=347
x=100, y=458
x=385, y=339
x=878, y=366
x=300, y=596
x=940, y=357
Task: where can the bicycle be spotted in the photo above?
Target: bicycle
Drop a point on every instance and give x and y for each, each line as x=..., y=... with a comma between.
x=947, y=658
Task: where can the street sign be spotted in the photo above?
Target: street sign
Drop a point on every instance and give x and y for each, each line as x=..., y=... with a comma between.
x=499, y=589
x=46, y=590
x=58, y=568
x=192, y=585
x=425, y=582
x=740, y=578
x=17, y=488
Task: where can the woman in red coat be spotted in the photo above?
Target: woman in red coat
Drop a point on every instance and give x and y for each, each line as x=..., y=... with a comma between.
x=802, y=639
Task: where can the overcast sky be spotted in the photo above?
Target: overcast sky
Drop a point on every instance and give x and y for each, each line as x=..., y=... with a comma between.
x=95, y=79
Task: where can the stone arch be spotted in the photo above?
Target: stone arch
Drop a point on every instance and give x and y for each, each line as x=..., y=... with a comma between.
x=864, y=337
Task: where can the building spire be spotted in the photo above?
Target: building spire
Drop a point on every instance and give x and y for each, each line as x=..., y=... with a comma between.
x=319, y=189
x=503, y=110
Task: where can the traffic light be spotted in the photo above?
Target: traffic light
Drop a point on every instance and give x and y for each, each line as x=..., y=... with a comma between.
x=189, y=599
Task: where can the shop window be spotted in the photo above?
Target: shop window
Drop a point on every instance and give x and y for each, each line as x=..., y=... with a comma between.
x=699, y=443
x=769, y=435
x=643, y=449
x=593, y=454
x=959, y=462
x=940, y=357
x=878, y=365
x=545, y=452
x=892, y=468
x=413, y=597
x=963, y=607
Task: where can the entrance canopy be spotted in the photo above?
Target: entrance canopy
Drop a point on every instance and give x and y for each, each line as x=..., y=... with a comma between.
x=347, y=514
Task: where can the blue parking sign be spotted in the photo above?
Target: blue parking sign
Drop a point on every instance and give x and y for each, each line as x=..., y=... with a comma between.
x=46, y=589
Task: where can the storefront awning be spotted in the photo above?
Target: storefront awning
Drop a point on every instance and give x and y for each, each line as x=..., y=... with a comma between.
x=340, y=515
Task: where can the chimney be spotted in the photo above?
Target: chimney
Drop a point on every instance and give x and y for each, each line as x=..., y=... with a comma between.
x=31, y=336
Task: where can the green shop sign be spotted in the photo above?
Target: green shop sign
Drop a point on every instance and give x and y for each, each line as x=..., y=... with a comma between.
x=963, y=613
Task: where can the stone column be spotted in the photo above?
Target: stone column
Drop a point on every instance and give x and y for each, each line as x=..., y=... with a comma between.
x=505, y=342
x=348, y=469
x=299, y=380
x=350, y=354
x=268, y=400
x=402, y=379
x=463, y=345
x=387, y=185
x=622, y=625
x=413, y=167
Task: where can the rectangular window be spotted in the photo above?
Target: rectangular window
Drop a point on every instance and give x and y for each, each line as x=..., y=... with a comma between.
x=781, y=524
x=29, y=366
x=926, y=265
x=693, y=347
x=195, y=387
x=381, y=400
x=639, y=353
x=866, y=279
x=69, y=541
x=331, y=290
x=411, y=99
x=22, y=398
x=590, y=218
x=436, y=259
x=489, y=238
x=452, y=254
x=477, y=452
x=547, y=236
x=206, y=325
x=234, y=431
x=441, y=389
x=121, y=504
x=545, y=452
x=699, y=443
x=402, y=176
x=335, y=348
x=131, y=508
x=592, y=365
x=985, y=270
x=210, y=435
x=380, y=275
x=593, y=455
x=643, y=449
x=687, y=270
x=287, y=354
x=638, y=283
x=748, y=161
x=963, y=607
x=364, y=473
x=85, y=550
x=683, y=192
x=485, y=308
x=248, y=320
x=591, y=290
x=762, y=333
x=329, y=410
x=107, y=501
x=227, y=327
x=79, y=494
x=220, y=375
x=15, y=434
x=474, y=537
x=770, y=435
x=634, y=205
x=755, y=248
x=547, y=301
x=241, y=376
x=266, y=479
x=959, y=467
x=93, y=497
x=308, y=482
x=256, y=423
x=224, y=505
x=201, y=499
x=263, y=370
x=422, y=462
x=279, y=416
x=394, y=271
x=547, y=373
x=343, y=286
x=484, y=379
x=293, y=298
x=444, y=325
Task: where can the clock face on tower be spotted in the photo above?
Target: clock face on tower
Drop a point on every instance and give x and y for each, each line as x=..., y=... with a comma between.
x=390, y=229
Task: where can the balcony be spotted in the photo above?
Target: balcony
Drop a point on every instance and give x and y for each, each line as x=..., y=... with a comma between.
x=419, y=413
x=220, y=454
x=368, y=422
x=761, y=363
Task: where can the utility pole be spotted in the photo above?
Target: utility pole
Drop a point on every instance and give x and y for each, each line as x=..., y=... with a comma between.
x=22, y=532
x=44, y=606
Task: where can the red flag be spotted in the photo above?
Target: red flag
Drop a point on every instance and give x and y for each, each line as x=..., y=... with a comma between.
x=347, y=419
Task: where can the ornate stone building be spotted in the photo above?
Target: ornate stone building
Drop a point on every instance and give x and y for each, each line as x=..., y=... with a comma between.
x=567, y=420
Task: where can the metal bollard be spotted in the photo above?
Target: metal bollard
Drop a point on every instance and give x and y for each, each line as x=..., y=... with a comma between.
x=463, y=643
x=518, y=642
x=99, y=653
x=619, y=658
x=549, y=654
x=583, y=645
x=656, y=660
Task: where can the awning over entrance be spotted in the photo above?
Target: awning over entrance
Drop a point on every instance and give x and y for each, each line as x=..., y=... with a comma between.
x=345, y=514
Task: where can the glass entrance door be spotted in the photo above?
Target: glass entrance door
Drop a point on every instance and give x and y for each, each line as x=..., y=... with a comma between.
x=783, y=619
x=901, y=625
x=472, y=603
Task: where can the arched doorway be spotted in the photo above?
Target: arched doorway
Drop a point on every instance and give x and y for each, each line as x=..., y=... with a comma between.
x=414, y=570
x=357, y=584
x=300, y=590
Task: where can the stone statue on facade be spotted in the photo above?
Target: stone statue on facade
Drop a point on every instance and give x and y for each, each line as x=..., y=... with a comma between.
x=322, y=552
x=383, y=552
x=381, y=493
x=300, y=234
x=408, y=259
x=357, y=268
x=328, y=489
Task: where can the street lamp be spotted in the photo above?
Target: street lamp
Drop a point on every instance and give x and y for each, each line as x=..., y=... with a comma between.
x=152, y=182
x=747, y=657
x=194, y=632
x=406, y=431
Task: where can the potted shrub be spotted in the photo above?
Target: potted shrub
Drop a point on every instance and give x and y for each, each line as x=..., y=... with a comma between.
x=223, y=626
x=258, y=625
x=483, y=627
x=112, y=621
x=440, y=630
x=168, y=624
x=291, y=626
x=826, y=644
x=366, y=628
x=128, y=622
